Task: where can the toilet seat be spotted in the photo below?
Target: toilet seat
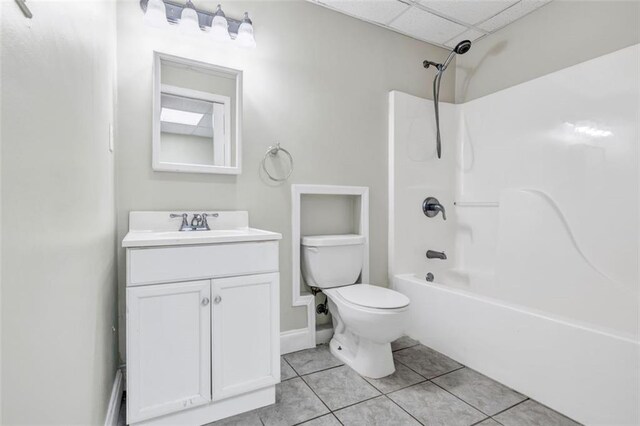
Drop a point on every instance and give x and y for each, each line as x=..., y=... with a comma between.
x=371, y=296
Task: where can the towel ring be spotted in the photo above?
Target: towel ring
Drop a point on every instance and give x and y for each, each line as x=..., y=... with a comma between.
x=272, y=151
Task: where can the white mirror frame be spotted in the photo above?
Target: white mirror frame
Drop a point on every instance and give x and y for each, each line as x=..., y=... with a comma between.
x=158, y=88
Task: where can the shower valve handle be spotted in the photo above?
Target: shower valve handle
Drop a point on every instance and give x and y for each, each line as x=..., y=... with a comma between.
x=431, y=207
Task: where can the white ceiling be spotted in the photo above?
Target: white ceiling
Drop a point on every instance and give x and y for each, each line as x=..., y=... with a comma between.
x=441, y=22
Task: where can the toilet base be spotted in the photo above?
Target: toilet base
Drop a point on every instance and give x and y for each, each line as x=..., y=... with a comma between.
x=369, y=359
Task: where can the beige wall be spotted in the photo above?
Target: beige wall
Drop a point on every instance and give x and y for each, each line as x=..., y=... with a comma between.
x=58, y=222
x=558, y=35
x=317, y=83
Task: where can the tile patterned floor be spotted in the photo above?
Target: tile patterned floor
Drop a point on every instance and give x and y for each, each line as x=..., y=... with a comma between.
x=427, y=388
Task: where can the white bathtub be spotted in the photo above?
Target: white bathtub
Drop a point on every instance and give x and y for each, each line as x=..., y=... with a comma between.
x=587, y=374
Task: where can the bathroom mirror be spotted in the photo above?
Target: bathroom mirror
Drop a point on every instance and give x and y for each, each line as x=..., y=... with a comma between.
x=197, y=116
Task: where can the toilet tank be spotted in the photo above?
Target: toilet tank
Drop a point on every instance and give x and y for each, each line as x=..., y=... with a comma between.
x=332, y=260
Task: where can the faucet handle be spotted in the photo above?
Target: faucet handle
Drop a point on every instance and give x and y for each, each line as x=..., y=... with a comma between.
x=182, y=215
x=204, y=216
x=184, y=219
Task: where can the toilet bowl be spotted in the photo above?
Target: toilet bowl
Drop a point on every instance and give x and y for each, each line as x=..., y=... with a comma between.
x=366, y=318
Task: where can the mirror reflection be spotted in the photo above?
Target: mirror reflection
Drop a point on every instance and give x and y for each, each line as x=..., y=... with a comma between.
x=196, y=117
x=193, y=131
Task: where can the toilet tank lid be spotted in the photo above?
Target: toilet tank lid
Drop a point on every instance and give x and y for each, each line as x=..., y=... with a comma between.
x=332, y=240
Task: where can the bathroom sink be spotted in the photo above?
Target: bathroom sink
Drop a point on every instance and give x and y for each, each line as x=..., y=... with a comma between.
x=151, y=229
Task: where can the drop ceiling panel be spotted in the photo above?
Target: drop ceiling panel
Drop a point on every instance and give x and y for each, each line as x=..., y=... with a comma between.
x=511, y=14
x=468, y=11
x=426, y=26
x=441, y=22
x=380, y=11
x=470, y=34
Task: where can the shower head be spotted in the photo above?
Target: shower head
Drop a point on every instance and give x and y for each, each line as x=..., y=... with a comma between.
x=462, y=47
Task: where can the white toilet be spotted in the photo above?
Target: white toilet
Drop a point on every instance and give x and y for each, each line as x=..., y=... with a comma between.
x=366, y=318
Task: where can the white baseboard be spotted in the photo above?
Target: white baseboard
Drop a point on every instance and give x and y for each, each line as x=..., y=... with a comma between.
x=324, y=333
x=116, y=399
x=296, y=340
x=302, y=338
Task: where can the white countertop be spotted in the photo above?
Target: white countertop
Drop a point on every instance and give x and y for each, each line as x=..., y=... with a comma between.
x=154, y=229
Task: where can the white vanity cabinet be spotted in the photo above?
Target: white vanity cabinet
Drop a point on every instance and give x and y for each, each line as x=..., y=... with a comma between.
x=202, y=321
x=169, y=348
x=244, y=311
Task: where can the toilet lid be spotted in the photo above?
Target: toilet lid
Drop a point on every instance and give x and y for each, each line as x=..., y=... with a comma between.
x=372, y=296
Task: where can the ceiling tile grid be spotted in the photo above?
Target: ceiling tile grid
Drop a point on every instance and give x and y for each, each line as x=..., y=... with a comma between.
x=440, y=22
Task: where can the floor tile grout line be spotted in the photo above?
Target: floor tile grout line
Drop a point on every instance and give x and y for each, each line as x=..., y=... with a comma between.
x=509, y=408
x=294, y=370
x=356, y=403
x=319, y=371
x=288, y=363
x=317, y=396
x=336, y=417
x=402, y=408
x=469, y=404
x=547, y=407
x=315, y=418
x=406, y=347
x=443, y=374
x=400, y=362
x=434, y=377
x=455, y=396
x=492, y=418
x=399, y=389
x=448, y=372
x=480, y=421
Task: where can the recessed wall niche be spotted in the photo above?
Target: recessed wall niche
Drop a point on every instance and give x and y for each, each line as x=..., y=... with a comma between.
x=328, y=214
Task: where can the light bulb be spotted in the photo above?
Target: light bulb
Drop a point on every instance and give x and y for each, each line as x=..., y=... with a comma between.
x=156, y=14
x=219, y=26
x=245, y=32
x=189, y=23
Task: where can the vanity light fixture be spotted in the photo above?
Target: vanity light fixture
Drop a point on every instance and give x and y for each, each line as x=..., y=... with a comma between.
x=155, y=14
x=220, y=26
x=161, y=13
x=189, y=21
x=245, y=32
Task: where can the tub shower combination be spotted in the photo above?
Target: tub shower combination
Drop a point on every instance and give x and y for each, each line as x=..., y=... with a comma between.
x=533, y=278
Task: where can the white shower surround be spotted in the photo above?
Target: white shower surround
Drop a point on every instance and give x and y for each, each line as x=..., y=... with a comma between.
x=540, y=290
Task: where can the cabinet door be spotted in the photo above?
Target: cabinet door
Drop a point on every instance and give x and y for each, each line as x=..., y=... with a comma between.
x=168, y=348
x=246, y=337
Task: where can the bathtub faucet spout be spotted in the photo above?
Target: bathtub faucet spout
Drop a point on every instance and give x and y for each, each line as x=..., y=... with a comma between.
x=432, y=254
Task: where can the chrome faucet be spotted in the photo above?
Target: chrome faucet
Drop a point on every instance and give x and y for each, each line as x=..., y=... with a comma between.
x=431, y=207
x=185, y=224
x=432, y=254
x=198, y=222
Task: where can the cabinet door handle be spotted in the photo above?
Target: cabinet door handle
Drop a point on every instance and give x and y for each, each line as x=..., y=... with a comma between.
x=217, y=300
x=205, y=301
